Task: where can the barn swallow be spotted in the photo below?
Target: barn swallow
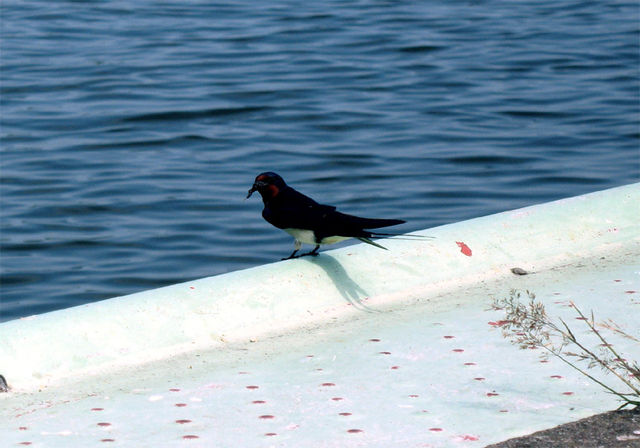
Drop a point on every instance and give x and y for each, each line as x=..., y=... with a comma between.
x=310, y=222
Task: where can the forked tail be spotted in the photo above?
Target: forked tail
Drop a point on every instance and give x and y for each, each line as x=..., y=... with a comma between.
x=399, y=236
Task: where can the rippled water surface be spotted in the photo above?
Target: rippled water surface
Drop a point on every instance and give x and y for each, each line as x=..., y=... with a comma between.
x=131, y=131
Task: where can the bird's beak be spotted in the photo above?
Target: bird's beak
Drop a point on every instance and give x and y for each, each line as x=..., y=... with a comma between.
x=253, y=188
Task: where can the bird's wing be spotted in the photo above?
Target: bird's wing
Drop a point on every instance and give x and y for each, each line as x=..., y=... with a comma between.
x=292, y=209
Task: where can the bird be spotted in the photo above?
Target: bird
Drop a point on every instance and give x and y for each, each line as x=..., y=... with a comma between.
x=310, y=222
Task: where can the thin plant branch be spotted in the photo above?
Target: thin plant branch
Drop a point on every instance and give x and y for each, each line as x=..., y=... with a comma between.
x=529, y=326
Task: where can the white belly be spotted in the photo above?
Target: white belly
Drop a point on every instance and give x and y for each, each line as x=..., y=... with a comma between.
x=307, y=237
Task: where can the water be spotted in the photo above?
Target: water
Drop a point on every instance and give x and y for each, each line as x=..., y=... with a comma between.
x=131, y=131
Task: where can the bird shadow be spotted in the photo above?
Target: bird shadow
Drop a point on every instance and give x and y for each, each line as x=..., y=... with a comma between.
x=346, y=286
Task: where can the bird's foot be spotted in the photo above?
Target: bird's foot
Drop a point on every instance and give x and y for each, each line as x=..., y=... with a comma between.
x=311, y=254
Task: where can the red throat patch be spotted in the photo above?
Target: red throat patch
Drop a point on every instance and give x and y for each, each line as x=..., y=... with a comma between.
x=273, y=190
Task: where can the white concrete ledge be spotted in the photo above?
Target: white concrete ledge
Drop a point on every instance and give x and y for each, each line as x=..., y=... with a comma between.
x=283, y=296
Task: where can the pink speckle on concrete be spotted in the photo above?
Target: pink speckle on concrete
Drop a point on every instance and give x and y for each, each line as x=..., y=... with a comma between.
x=467, y=438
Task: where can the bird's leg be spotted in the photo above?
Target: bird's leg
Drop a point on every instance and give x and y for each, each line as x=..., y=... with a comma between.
x=313, y=253
x=293, y=255
x=296, y=247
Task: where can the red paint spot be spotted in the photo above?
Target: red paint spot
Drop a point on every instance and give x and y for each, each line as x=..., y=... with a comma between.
x=581, y=318
x=479, y=378
x=395, y=367
x=192, y=287
x=464, y=248
x=258, y=402
x=23, y=428
x=328, y=384
x=97, y=409
x=630, y=292
x=567, y=393
x=457, y=350
x=499, y=323
x=266, y=417
x=252, y=387
x=337, y=398
x=556, y=376
x=504, y=410
x=318, y=370
x=468, y=438
x=345, y=414
x=435, y=429
x=271, y=434
x=174, y=390
x=617, y=280
x=104, y=424
x=190, y=437
x=492, y=394
x=544, y=361
x=470, y=364
x=180, y=405
x=374, y=340
x=24, y=443
x=309, y=356
x=108, y=440
x=385, y=353
x=183, y=421
x=449, y=337
x=414, y=396
x=354, y=431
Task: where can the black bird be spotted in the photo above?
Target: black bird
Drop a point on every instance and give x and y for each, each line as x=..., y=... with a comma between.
x=309, y=222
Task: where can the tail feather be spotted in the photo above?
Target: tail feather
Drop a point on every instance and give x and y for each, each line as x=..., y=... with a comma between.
x=368, y=241
x=400, y=236
x=367, y=223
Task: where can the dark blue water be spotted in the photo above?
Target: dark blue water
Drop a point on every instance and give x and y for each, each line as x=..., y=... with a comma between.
x=131, y=131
